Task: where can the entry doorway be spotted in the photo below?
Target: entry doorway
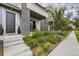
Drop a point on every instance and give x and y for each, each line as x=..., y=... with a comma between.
x=32, y=25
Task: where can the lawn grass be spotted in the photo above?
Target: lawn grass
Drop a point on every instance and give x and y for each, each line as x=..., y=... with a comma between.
x=42, y=43
x=77, y=35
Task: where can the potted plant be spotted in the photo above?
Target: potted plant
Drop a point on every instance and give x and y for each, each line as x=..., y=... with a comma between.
x=18, y=30
x=1, y=30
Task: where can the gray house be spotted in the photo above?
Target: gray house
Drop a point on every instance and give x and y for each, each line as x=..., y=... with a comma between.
x=27, y=16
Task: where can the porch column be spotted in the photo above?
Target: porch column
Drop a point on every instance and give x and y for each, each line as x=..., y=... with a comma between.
x=25, y=19
x=38, y=25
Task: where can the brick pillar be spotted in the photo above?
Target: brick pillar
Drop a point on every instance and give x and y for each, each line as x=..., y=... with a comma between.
x=25, y=19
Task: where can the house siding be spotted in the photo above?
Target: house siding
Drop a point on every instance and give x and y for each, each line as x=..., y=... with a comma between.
x=25, y=19
x=44, y=25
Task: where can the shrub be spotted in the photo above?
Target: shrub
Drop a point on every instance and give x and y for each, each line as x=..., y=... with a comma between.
x=77, y=28
x=1, y=30
x=67, y=28
x=41, y=39
x=77, y=35
x=37, y=34
x=47, y=33
x=64, y=33
x=31, y=42
x=53, y=39
x=47, y=46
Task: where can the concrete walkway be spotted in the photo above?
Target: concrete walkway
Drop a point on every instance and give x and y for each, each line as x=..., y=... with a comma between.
x=68, y=47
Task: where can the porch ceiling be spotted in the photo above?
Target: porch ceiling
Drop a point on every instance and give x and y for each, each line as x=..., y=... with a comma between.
x=36, y=15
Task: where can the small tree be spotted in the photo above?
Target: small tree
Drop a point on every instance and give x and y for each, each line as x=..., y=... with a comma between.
x=58, y=19
x=76, y=23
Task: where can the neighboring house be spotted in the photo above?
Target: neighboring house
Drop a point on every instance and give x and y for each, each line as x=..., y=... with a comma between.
x=27, y=16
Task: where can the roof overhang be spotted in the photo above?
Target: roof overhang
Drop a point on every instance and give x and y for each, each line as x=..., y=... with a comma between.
x=36, y=15
x=10, y=6
x=37, y=10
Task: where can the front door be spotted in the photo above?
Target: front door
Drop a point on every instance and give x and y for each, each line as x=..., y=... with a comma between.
x=32, y=25
x=10, y=22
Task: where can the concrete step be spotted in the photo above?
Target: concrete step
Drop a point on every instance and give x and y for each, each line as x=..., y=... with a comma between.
x=15, y=46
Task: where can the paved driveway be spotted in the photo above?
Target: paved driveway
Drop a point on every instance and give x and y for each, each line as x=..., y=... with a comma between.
x=68, y=47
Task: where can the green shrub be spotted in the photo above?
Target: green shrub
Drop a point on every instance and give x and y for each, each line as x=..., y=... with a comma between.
x=64, y=33
x=53, y=39
x=47, y=33
x=77, y=35
x=31, y=42
x=47, y=46
x=36, y=34
x=67, y=28
x=41, y=39
x=77, y=28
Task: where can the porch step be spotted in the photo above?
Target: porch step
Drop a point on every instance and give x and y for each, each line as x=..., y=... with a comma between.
x=14, y=46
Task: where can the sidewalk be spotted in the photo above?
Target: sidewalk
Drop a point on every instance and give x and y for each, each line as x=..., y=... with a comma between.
x=68, y=47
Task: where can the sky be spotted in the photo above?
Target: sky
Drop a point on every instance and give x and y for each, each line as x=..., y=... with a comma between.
x=71, y=8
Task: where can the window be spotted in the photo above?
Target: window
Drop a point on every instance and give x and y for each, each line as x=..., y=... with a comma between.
x=10, y=22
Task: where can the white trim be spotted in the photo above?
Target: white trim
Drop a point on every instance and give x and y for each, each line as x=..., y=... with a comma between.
x=17, y=18
x=3, y=19
x=38, y=25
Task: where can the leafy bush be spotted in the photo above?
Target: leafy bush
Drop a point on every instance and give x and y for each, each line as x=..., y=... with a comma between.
x=53, y=39
x=67, y=28
x=41, y=39
x=47, y=33
x=36, y=34
x=47, y=46
x=77, y=35
x=77, y=28
x=64, y=33
x=30, y=41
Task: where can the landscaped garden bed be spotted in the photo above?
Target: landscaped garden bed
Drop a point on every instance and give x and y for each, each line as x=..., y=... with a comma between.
x=42, y=42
